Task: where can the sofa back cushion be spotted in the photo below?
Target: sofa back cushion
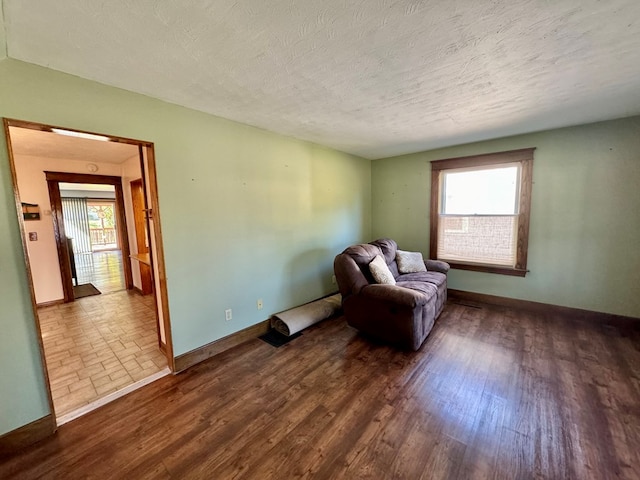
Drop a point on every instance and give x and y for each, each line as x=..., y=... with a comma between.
x=352, y=268
x=388, y=248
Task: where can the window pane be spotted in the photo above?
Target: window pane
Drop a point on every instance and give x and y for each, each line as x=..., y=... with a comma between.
x=475, y=239
x=480, y=192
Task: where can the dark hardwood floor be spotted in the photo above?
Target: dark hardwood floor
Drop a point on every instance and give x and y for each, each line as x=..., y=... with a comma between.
x=493, y=393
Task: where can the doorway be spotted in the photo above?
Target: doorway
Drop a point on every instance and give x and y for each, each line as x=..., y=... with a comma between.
x=87, y=225
x=101, y=346
x=93, y=238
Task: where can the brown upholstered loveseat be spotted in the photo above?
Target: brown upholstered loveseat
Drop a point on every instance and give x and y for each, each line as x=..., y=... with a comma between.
x=402, y=314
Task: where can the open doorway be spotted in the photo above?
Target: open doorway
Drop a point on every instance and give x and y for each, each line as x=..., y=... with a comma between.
x=93, y=235
x=76, y=208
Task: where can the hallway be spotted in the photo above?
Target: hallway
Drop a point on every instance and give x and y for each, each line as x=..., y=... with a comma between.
x=98, y=345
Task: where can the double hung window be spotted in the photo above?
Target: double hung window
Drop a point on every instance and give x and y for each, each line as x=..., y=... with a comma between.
x=480, y=211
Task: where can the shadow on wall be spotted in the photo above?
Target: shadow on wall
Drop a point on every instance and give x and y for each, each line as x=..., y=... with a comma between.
x=310, y=276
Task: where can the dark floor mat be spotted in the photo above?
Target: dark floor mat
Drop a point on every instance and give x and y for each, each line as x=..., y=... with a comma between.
x=85, y=290
x=275, y=338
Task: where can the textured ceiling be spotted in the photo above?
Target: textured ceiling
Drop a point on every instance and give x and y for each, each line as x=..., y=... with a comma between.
x=371, y=77
x=37, y=143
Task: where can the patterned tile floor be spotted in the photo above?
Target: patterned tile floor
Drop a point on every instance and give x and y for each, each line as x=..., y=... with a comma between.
x=97, y=345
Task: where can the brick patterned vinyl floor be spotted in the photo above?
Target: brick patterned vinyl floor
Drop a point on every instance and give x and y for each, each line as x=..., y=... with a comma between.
x=97, y=345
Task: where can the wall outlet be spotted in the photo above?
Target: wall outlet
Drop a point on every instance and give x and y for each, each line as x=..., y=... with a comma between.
x=333, y=279
x=259, y=304
x=228, y=314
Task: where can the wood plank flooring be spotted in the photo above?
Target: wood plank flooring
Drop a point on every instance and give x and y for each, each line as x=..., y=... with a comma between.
x=493, y=393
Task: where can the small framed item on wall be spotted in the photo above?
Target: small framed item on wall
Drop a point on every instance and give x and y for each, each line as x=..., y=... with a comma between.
x=30, y=211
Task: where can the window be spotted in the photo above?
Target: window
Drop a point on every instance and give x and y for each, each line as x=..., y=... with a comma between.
x=480, y=211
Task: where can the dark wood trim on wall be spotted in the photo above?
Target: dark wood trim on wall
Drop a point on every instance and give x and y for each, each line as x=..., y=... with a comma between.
x=488, y=269
x=28, y=434
x=509, y=156
x=526, y=182
x=64, y=256
x=620, y=321
x=433, y=214
x=198, y=355
x=152, y=180
x=48, y=128
x=522, y=156
x=53, y=180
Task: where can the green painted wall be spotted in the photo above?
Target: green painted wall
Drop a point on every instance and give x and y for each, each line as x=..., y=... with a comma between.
x=246, y=214
x=585, y=221
x=3, y=35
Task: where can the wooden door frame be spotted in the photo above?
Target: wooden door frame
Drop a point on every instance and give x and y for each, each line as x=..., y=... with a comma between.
x=153, y=211
x=53, y=181
x=159, y=254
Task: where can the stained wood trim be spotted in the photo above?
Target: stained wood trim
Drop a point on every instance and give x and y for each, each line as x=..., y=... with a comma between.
x=70, y=177
x=27, y=263
x=509, y=156
x=152, y=180
x=523, y=156
x=15, y=440
x=514, y=272
x=200, y=354
x=12, y=122
x=620, y=321
x=433, y=220
x=64, y=256
x=53, y=180
x=524, y=210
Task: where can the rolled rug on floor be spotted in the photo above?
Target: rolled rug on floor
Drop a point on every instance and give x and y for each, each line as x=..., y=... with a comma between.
x=296, y=319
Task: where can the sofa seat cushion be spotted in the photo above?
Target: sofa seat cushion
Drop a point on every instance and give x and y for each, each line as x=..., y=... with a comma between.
x=428, y=289
x=436, y=278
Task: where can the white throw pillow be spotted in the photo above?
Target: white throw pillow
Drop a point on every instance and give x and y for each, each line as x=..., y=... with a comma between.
x=380, y=271
x=410, y=262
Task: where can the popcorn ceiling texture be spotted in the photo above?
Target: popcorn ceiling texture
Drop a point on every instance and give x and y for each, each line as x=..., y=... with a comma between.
x=372, y=77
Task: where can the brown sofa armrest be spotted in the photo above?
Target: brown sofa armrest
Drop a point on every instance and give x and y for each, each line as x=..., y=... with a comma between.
x=401, y=296
x=437, y=266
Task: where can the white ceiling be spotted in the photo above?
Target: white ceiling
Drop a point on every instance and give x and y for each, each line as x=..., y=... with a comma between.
x=371, y=77
x=25, y=141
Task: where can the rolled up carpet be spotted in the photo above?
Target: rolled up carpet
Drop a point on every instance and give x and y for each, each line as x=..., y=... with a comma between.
x=298, y=318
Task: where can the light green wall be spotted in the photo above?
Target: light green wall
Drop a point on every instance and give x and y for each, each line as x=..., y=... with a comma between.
x=3, y=38
x=22, y=395
x=246, y=214
x=585, y=221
